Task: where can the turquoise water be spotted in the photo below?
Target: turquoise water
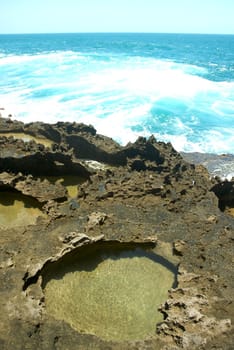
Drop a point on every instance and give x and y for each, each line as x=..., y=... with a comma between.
x=178, y=87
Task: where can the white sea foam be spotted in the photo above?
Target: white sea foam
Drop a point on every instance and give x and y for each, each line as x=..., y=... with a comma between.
x=122, y=96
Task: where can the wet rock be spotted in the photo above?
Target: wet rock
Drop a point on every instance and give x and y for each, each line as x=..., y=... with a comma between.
x=218, y=165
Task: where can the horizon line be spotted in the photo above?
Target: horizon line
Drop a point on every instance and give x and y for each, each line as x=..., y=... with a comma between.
x=115, y=32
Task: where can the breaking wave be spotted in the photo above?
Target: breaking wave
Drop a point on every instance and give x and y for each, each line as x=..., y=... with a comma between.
x=122, y=95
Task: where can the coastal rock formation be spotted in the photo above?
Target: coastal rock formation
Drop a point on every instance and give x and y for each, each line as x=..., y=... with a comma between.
x=142, y=193
x=43, y=191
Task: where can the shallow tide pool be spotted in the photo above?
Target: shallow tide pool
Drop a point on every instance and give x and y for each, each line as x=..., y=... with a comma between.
x=17, y=209
x=71, y=182
x=27, y=138
x=114, y=295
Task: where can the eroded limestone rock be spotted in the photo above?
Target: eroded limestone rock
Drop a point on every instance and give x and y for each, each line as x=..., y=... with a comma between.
x=145, y=192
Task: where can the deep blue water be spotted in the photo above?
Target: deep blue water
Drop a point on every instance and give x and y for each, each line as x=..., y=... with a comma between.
x=179, y=87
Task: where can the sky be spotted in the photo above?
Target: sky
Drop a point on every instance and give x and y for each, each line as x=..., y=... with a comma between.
x=155, y=16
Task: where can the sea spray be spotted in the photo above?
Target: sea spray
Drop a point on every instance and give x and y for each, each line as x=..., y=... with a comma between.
x=178, y=87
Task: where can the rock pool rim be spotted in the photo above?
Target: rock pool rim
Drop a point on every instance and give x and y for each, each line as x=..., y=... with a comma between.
x=55, y=262
x=108, y=248
x=89, y=259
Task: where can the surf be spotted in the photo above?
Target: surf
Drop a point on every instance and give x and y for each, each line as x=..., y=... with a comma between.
x=124, y=95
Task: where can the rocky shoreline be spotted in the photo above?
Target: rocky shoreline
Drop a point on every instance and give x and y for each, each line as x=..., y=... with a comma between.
x=142, y=193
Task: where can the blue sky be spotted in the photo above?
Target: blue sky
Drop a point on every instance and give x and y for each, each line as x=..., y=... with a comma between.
x=168, y=16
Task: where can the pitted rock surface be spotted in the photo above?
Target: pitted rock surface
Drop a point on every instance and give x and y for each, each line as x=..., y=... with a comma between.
x=146, y=192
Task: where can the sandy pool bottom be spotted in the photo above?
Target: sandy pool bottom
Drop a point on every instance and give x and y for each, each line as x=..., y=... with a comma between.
x=17, y=209
x=113, y=296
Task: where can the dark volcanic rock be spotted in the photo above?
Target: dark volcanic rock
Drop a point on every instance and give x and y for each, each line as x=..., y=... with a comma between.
x=145, y=192
x=218, y=165
x=35, y=159
x=43, y=191
x=224, y=190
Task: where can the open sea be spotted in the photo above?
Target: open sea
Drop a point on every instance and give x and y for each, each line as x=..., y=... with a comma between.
x=179, y=87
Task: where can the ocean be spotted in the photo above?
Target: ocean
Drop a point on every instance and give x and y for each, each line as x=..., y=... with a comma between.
x=178, y=87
